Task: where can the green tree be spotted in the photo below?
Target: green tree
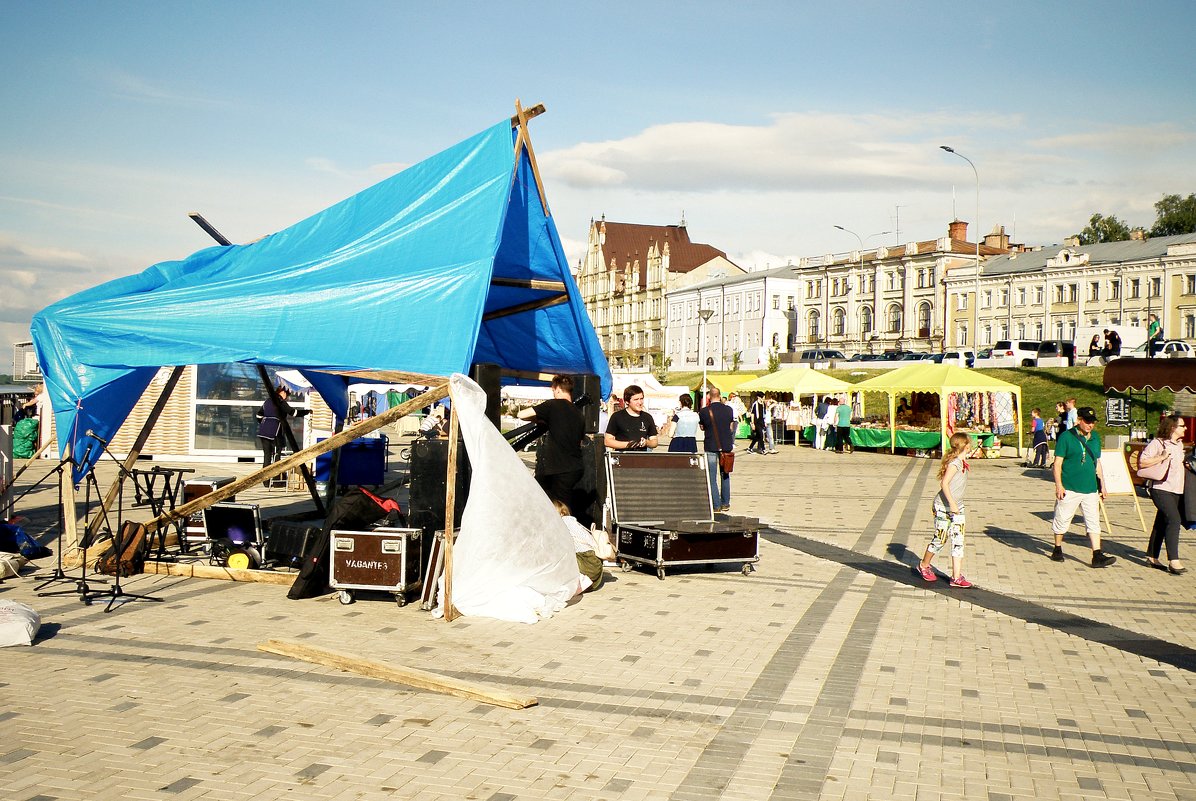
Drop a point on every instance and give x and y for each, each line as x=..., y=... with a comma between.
x=661, y=365
x=1175, y=215
x=1104, y=229
x=774, y=360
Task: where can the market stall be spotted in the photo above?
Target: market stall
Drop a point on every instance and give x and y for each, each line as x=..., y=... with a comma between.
x=929, y=402
x=798, y=382
x=1130, y=376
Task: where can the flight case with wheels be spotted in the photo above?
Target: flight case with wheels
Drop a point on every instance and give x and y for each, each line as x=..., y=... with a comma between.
x=660, y=515
x=379, y=560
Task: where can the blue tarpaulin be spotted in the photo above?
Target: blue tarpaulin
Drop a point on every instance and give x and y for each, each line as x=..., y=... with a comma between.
x=429, y=271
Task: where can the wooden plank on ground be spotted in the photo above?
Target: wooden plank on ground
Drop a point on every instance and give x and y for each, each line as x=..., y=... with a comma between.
x=196, y=570
x=412, y=677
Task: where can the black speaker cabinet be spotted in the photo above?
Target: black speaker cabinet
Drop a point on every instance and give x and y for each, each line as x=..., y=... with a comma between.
x=429, y=465
x=488, y=377
x=591, y=387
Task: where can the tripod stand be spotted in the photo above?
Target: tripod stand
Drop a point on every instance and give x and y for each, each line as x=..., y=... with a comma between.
x=126, y=533
x=58, y=574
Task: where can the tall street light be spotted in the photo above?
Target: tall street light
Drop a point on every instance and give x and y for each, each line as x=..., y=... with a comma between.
x=705, y=315
x=976, y=320
x=860, y=251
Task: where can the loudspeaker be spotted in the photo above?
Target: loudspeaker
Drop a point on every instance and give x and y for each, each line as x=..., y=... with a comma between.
x=429, y=466
x=590, y=387
x=488, y=377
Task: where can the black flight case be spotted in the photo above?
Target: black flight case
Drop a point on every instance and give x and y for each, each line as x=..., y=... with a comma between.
x=660, y=514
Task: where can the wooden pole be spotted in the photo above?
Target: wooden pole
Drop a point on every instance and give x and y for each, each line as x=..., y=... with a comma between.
x=450, y=503
x=4, y=502
x=433, y=394
x=413, y=677
x=308, y=479
x=135, y=452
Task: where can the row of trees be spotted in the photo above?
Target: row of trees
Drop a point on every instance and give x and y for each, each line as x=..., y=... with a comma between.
x=1173, y=215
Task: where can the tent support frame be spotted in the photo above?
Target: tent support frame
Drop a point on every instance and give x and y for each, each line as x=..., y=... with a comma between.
x=349, y=434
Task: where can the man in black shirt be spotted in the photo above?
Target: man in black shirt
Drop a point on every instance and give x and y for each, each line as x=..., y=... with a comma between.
x=631, y=428
x=559, y=464
x=718, y=422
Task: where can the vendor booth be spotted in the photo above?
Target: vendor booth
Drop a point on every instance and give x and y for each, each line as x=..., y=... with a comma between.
x=1143, y=376
x=929, y=402
x=799, y=382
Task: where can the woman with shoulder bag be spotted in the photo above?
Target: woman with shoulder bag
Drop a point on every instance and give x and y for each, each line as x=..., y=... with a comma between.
x=1162, y=462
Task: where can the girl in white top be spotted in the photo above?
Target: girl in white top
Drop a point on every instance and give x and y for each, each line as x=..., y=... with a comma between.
x=684, y=428
x=948, y=511
x=1167, y=493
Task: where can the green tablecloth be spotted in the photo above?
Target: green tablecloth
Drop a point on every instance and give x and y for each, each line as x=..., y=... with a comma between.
x=879, y=438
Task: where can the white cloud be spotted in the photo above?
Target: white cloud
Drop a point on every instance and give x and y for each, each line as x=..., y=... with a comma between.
x=134, y=87
x=1128, y=138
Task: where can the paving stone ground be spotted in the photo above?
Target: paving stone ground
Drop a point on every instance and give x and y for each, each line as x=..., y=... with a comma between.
x=833, y=672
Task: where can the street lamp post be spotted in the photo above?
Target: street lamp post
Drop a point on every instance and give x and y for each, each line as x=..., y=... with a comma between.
x=860, y=251
x=705, y=315
x=977, y=234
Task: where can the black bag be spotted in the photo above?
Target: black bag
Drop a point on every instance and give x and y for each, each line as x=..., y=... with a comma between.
x=353, y=511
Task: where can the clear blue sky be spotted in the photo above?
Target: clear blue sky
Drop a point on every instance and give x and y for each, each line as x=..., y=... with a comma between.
x=765, y=123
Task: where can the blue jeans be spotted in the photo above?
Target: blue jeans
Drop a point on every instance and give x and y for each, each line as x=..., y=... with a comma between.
x=720, y=482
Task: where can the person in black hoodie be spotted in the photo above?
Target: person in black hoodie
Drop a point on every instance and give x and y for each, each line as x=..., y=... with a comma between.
x=269, y=425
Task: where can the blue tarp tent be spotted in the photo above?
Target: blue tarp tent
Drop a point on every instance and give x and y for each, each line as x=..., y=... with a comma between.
x=452, y=262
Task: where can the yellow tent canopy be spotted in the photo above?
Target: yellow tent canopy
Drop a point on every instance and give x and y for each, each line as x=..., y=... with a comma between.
x=941, y=379
x=797, y=381
x=726, y=382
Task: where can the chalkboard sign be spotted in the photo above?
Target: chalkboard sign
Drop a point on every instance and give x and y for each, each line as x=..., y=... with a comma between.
x=1117, y=411
x=1116, y=473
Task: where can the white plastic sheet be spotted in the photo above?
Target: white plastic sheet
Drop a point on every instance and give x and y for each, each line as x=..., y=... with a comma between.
x=514, y=557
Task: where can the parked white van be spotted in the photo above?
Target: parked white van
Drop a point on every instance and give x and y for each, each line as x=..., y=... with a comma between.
x=1131, y=337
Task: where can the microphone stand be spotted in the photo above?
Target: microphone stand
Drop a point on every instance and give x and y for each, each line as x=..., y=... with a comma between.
x=82, y=588
x=118, y=537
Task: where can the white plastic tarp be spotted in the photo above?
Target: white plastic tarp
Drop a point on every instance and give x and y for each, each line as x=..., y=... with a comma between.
x=514, y=557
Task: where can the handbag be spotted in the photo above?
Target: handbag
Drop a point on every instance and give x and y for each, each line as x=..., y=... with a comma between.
x=726, y=460
x=1156, y=472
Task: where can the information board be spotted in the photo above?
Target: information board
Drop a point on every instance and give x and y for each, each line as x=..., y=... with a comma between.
x=1116, y=473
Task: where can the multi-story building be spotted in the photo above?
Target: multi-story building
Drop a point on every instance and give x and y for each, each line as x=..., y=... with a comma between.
x=1052, y=292
x=623, y=279
x=887, y=298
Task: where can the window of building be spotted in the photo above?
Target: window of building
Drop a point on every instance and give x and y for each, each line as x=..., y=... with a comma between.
x=790, y=301
x=838, y=322
x=1021, y=330
x=923, y=319
x=1004, y=298
x=812, y=325
x=1038, y=330
x=776, y=302
x=1094, y=290
x=227, y=397
x=1156, y=287
x=1190, y=284
x=866, y=320
x=1073, y=293
x=961, y=335
x=988, y=334
x=894, y=318
x=961, y=301
x=1190, y=326
x=893, y=280
x=1135, y=288
x=988, y=299
x=1038, y=295
x=1021, y=296
x=1114, y=290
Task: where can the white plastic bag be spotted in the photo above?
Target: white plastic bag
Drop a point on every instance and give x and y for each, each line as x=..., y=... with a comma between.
x=11, y=564
x=18, y=624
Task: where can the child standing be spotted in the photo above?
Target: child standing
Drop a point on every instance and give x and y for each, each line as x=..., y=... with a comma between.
x=948, y=511
x=1038, y=426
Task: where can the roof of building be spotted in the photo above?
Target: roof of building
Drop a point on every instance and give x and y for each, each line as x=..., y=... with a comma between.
x=1104, y=253
x=627, y=243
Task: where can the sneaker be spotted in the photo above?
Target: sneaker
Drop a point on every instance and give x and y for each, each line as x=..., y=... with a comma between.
x=1100, y=559
x=961, y=582
x=926, y=572
x=1057, y=554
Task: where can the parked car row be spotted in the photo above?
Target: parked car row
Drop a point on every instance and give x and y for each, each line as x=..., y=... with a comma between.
x=1004, y=353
